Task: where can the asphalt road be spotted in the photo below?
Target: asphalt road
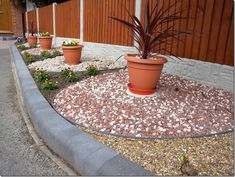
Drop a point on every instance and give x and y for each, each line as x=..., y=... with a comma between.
x=19, y=155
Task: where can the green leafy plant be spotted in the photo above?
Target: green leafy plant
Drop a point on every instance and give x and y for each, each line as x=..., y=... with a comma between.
x=45, y=34
x=49, y=85
x=149, y=35
x=57, y=53
x=72, y=76
x=91, y=70
x=65, y=72
x=41, y=75
x=28, y=57
x=22, y=47
x=70, y=43
x=46, y=54
x=32, y=46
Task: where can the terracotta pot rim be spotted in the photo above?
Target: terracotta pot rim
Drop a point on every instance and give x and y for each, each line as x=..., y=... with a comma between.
x=72, y=47
x=45, y=37
x=133, y=58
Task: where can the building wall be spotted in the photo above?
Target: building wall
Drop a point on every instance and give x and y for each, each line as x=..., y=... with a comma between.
x=16, y=14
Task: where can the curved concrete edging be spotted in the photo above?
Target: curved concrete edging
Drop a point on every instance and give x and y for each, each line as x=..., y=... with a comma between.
x=83, y=152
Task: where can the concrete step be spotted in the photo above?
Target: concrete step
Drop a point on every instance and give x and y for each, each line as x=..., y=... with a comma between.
x=7, y=37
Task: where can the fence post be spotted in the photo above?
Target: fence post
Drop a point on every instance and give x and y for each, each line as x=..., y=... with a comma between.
x=37, y=18
x=137, y=14
x=26, y=21
x=54, y=21
x=81, y=19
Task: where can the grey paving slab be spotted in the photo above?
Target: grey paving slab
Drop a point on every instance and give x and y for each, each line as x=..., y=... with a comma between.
x=18, y=153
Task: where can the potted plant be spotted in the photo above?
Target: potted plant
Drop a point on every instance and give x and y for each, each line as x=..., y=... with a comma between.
x=72, y=52
x=145, y=68
x=45, y=41
x=32, y=40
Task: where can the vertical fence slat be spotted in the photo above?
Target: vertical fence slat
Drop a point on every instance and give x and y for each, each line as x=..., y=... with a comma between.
x=223, y=35
x=32, y=18
x=215, y=27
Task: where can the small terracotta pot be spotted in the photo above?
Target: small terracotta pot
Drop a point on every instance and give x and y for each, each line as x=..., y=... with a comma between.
x=45, y=42
x=72, y=54
x=32, y=40
x=144, y=74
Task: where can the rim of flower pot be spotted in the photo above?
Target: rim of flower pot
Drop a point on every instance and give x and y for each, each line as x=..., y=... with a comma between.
x=72, y=47
x=136, y=59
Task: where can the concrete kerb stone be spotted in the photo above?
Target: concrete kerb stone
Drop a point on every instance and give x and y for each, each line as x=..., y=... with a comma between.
x=83, y=152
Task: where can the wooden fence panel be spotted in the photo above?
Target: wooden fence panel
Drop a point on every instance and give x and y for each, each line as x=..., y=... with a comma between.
x=101, y=29
x=68, y=19
x=32, y=18
x=210, y=24
x=46, y=19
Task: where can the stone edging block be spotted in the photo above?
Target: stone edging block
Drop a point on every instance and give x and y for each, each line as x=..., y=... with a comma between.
x=83, y=152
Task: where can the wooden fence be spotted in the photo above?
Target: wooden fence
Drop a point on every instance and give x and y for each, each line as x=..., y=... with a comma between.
x=32, y=19
x=46, y=19
x=98, y=27
x=210, y=23
x=68, y=19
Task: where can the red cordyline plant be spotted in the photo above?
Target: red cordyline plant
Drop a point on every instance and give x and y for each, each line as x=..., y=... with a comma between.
x=147, y=36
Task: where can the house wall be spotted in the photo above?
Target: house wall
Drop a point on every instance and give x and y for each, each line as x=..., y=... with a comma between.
x=16, y=14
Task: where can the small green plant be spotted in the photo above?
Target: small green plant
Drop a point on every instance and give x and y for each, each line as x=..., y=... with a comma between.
x=41, y=75
x=22, y=47
x=65, y=72
x=49, y=85
x=46, y=54
x=56, y=53
x=45, y=34
x=28, y=57
x=32, y=46
x=91, y=70
x=72, y=76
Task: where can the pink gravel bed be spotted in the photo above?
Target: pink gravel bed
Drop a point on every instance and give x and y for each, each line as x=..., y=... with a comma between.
x=181, y=108
x=37, y=51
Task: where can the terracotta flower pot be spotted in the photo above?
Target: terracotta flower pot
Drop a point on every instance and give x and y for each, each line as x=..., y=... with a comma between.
x=32, y=40
x=144, y=74
x=45, y=42
x=72, y=54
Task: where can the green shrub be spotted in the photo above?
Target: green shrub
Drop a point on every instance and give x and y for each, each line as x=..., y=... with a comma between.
x=32, y=46
x=46, y=54
x=56, y=53
x=22, y=47
x=41, y=75
x=65, y=72
x=49, y=85
x=28, y=57
x=91, y=70
x=72, y=76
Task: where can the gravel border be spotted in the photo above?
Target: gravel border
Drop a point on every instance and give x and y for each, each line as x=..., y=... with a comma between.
x=102, y=104
x=84, y=153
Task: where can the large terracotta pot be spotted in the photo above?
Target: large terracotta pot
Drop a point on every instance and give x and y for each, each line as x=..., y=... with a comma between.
x=45, y=42
x=72, y=54
x=144, y=74
x=32, y=40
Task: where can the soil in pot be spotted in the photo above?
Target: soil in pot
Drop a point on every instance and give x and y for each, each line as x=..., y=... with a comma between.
x=45, y=42
x=144, y=74
x=32, y=40
x=72, y=54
